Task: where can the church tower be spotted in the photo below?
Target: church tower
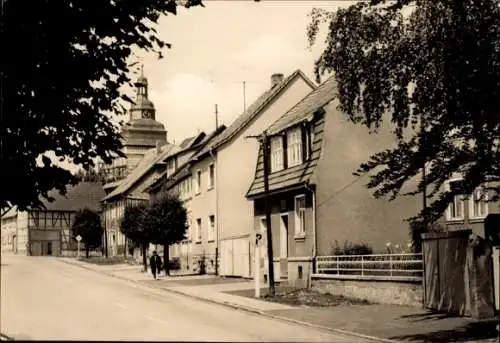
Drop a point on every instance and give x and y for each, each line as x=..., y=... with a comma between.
x=142, y=132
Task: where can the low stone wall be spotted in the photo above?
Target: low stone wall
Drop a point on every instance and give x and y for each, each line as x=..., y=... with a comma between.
x=382, y=292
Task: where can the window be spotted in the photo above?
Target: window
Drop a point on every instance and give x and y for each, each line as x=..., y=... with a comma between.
x=294, y=147
x=309, y=141
x=211, y=176
x=211, y=228
x=170, y=167
x=478, y=203
x=198, y=230
x=300, y=215
x=198, y=182
x=455, y=209
x=276, y=154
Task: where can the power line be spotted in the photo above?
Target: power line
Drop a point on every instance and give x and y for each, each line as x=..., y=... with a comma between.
x=341, y=190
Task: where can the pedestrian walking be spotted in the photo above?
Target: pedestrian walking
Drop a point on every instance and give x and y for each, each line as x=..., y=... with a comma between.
x=155, y=263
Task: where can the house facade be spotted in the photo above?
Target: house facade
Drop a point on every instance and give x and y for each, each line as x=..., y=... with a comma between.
x=158, y=162
x=235, y=154
x=195, y=184
x=14, y=231
x=477, y=211
x=314, y=198
x=47, y=232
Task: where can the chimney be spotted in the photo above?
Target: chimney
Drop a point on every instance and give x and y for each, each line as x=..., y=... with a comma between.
x=276, y=79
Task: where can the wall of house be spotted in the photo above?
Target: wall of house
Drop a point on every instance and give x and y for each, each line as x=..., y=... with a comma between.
x=9, y=234
x=112, y=215
x=203, y=205
x=346, y=209
x=236, y=168
x=299, y=250
x=22, y=232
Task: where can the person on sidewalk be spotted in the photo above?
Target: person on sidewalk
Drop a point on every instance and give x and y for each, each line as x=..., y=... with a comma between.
x=155, y=263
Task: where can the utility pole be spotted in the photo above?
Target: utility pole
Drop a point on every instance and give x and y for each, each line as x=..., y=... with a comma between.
x=425, y=224
x=265, y=155
x=216, y=117
x=264, y=143
x=105, y=233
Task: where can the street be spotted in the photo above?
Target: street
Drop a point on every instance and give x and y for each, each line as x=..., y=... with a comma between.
x=46, y=299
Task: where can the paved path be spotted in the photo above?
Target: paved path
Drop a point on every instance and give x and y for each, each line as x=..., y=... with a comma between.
x=45, y=299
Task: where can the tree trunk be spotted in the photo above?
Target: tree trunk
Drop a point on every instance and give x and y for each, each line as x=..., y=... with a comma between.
x=87, y=251
x=125, y=248
x=144, y=258
x=166, y=259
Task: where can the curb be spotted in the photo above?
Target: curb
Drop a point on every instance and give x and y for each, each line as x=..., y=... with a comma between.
x=240, y=307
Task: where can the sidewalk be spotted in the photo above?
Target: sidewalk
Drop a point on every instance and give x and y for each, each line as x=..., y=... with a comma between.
x=384, y=323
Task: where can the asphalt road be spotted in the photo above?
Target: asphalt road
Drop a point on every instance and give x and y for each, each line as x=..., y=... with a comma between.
x=45, y=299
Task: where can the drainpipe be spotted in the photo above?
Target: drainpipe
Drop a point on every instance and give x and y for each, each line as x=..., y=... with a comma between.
x=217, y=240
x=314, y=223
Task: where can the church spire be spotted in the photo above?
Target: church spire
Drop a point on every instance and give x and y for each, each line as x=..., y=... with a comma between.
x=143, y=107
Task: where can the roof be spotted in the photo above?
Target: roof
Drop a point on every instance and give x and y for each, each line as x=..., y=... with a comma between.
x=252, y=111
x=187, y=142
x=184, y=169
x=83, y=195
x=151, y=158
x=11, y=212
x=304, y=110
x=306, y=107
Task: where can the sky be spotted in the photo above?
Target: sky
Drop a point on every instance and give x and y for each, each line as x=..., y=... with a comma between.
x=216, y=48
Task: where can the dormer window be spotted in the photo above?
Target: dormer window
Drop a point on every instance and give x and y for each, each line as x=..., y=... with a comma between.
x=294, y=147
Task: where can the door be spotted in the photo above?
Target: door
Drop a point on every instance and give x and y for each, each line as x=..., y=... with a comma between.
x=284, y=245
x=263, y=245
x=36, y=248
x=49, y=248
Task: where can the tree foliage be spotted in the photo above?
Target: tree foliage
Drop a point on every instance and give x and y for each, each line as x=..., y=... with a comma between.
x=62, y=76
x=131, y=224
x=87, y=224
x=433, y=68
x=165, y=222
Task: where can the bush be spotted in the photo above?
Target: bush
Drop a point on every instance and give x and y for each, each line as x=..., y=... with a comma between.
x=352, y=249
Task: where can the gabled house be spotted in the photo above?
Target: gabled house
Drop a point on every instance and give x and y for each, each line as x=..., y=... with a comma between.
x=47, y=231
x=195, y=185
x=235, y=155
x=315, y=199
x=132, y=190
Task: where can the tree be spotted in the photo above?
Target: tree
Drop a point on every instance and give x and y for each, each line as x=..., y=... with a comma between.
x=87, y=224
x=433, y=67
x=165, y=222
x=131, y=226
x=62, y=78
